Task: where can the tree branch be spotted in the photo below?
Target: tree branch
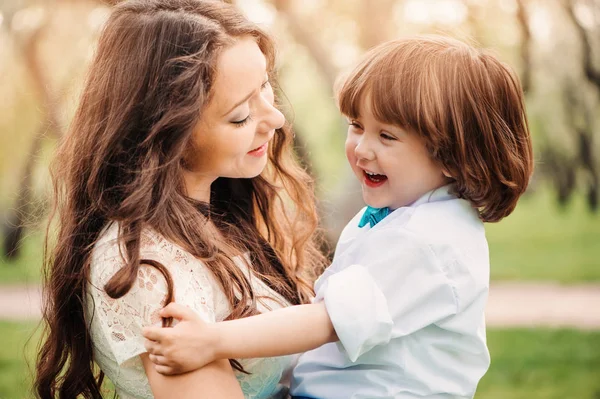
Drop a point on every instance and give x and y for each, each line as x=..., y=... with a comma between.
x=299, y=29
x=592, y=74
x=525, y=45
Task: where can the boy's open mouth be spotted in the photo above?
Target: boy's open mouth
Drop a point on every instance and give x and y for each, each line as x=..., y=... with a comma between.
x=374, y=178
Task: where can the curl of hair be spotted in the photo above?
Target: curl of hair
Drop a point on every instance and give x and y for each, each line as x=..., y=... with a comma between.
x=122, y=161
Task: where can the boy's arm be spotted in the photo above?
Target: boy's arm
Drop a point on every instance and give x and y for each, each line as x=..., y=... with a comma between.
x=286, y=331
x=192, y=343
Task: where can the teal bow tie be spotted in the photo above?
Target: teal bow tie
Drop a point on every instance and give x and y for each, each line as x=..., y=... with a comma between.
x=373, y=216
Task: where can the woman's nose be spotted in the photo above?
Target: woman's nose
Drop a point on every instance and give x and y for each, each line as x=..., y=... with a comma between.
x=272, y=118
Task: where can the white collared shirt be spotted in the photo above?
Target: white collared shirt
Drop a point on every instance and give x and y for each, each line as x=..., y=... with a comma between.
x=407, y=300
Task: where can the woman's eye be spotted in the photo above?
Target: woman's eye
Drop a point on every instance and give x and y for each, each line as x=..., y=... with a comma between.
x=242, y=122
x=265, y=85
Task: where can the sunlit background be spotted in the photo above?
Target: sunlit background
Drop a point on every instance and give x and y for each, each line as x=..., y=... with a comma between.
x=552, y=239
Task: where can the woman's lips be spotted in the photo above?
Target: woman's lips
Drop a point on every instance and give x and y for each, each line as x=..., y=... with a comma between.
x=260, y=151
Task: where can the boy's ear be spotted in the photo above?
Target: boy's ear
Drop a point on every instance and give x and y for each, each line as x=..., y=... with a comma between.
x=446, y=173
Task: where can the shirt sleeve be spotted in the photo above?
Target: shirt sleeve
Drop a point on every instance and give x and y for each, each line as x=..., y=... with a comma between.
x=121, y=320
x=396, y=285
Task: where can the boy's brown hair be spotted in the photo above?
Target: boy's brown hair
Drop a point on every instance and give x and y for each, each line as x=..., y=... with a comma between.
x=464, y=103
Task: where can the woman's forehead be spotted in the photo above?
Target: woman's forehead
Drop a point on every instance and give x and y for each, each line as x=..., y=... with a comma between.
x=241, y=69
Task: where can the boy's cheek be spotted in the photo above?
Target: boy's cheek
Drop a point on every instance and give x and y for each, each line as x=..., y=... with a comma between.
x=350, y=147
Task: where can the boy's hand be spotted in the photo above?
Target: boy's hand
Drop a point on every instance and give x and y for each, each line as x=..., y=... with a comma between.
x=189, y=345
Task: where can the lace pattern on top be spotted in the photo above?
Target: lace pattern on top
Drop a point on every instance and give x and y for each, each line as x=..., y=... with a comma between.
x=116, y=324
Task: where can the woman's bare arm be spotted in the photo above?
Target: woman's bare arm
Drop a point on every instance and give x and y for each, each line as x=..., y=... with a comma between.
x=215, y=380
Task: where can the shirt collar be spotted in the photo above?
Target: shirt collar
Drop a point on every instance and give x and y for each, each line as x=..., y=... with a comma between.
x=372, y=216
x=443, y=193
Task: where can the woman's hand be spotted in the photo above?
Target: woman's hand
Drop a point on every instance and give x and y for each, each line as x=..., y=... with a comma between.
x=189, y=345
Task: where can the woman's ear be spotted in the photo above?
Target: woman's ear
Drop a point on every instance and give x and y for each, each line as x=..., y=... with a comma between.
x=446, y=173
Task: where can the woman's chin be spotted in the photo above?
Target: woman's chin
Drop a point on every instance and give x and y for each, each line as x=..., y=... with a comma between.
x=254, y=173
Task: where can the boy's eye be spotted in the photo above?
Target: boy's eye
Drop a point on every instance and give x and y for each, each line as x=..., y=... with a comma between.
x=355, y=125
x=387, y=136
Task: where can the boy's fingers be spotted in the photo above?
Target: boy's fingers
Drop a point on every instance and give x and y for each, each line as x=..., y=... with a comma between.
x=152, y=333
x=152, y=347
x=158, y=359
x=177, y=311
x=164, y=370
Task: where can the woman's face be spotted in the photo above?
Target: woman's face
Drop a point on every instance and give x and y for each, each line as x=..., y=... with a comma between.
x=233, y=134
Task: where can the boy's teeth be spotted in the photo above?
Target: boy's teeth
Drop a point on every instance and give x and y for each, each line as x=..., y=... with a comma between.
x=374, y=177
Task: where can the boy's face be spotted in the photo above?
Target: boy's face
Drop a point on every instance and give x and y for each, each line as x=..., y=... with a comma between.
x=393, y=165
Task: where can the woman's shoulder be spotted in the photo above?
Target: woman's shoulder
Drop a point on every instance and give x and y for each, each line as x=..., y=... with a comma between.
x=193, y=283
x=151, y=242
x=109, y=254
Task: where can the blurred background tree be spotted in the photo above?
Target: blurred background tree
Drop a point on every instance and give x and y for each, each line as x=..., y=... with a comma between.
x=45, y=47
x=38, y=74
x=554, y=45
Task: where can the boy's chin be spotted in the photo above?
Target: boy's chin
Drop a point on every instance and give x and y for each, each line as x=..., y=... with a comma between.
x=375, y=204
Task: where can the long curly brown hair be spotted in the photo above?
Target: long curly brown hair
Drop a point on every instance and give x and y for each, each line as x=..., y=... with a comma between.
x=122, y=161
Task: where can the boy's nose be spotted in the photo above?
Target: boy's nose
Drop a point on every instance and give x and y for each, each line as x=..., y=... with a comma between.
x=363, y=151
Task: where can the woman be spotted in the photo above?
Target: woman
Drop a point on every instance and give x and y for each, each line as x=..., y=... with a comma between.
x=176, y=182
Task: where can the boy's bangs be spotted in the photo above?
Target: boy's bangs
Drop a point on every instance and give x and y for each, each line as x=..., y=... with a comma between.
x=389, y=85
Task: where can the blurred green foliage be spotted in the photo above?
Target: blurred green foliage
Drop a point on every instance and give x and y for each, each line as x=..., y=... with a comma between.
x=539, y=241
x=26, y=269
x=17, y=360
x=542, y=364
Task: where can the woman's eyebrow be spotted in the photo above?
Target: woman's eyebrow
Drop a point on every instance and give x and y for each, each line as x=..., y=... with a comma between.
x=240, y=102
x=246, y=98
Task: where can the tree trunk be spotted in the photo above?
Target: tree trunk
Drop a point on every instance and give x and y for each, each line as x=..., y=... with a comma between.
x=585, y=130
x=522, y=17
x=15, y=222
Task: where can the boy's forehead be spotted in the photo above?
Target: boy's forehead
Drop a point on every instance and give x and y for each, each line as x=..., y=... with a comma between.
x=364, y=105
x=365, y=109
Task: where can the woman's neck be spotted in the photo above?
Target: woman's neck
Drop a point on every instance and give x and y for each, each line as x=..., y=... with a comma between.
x=197, y=185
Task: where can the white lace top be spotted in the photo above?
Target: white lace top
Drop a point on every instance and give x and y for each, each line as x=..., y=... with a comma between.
x=116, y=324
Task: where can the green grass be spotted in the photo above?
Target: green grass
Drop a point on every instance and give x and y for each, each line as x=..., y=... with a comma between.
x=27, y=267
x=526, y=364
x=17, y=354
x=17, y=360
x=539, y=241
x=542, y=364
